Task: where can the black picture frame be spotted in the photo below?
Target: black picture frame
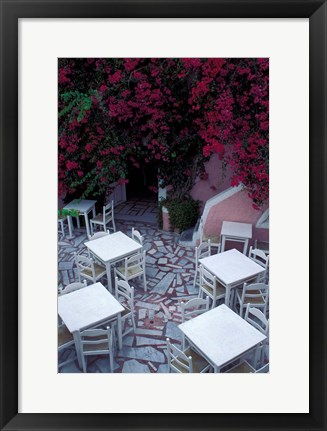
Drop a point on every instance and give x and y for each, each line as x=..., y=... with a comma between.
x=11, y=11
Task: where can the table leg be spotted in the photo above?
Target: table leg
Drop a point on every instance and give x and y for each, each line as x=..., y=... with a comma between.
x=108, y=268
x=78, y=348
x=256, y=356
x=86, y=217
x=245, y=249
x=93, y=211
x=70, y=227
x=119, y=330
x=223, y=243
x=227, y=297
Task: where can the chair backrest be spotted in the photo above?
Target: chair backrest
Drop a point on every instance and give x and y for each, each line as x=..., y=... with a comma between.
x=259, y=256
x=255, y=291
x=124, y=293
x=257, y=319
x=137, y=236
x=177, y=360
x=108, y=212
x=96, y=337
x=98, y=235
x=203, y=250
x=194, y=307
x=206, y=278
x=83, y=262
x=72, y=287
x=137, y=260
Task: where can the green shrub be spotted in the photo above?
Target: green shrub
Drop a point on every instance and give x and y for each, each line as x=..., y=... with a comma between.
x=183, y=214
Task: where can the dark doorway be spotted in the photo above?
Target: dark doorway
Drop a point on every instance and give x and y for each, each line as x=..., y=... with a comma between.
x=140, y=179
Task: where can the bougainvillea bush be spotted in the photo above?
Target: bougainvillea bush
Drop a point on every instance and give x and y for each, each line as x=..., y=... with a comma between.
x=172, y=113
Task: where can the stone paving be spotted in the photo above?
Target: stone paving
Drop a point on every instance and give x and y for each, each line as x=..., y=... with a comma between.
x=144, y=211
x=169, y=272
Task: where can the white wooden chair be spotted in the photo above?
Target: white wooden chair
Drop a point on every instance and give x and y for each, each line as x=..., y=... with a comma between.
x=259, y=321
x=104, y=218
x=65, y=341
x=262, y=245
x=186, y=361
x=194, y=307
x=132, y=267
x=136, y=236
x=72, y=287
x=245, y=367
x=262, y=259
x=96, y=342
x=214, y=239
x=89, y=269
x=203, y=250
x=210, y=286
x=255, y=294
x=124, y=293
x=62, y=223
x=242, y=367
x=98, y=235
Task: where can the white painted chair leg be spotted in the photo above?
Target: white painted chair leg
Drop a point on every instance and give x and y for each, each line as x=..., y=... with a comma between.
x=111, y=362
x=84, y=363
x=144, y=280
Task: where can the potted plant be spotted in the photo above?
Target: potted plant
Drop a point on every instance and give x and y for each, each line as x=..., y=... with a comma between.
x=179, y=214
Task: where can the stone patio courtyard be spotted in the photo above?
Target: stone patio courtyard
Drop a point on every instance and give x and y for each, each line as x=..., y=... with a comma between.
x=170, y=275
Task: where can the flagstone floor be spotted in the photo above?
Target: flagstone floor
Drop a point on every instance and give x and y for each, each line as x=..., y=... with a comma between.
x=170, y=274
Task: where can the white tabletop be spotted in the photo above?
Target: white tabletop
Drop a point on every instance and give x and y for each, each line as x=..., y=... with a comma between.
x=87, y=306
x=81, y=205
x=239, y=230
x=231, y=266
x=114, y=246
x=221, y=335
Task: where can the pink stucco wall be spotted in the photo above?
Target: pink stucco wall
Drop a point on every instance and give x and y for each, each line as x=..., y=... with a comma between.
x=217, y=181
x=236, y=208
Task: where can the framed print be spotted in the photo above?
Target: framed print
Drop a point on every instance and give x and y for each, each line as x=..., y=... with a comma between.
x=39, y=37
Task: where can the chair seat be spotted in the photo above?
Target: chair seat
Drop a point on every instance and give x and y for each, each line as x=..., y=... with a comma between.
x=255, y=300
x=243, y=367
x=98, y=270
x=64, y=336
x=130, y=271
x=214, y=239
x=125, y=312
x=198, y=362
x=97, y=219
x=220, y=289
x=258, y=300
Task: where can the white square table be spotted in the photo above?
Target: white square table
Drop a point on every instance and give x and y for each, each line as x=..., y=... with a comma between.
x=238, y=232
x=111, y=248
x=88, y=307
x=221, y=336
x=231, y=268
x=84, y=207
